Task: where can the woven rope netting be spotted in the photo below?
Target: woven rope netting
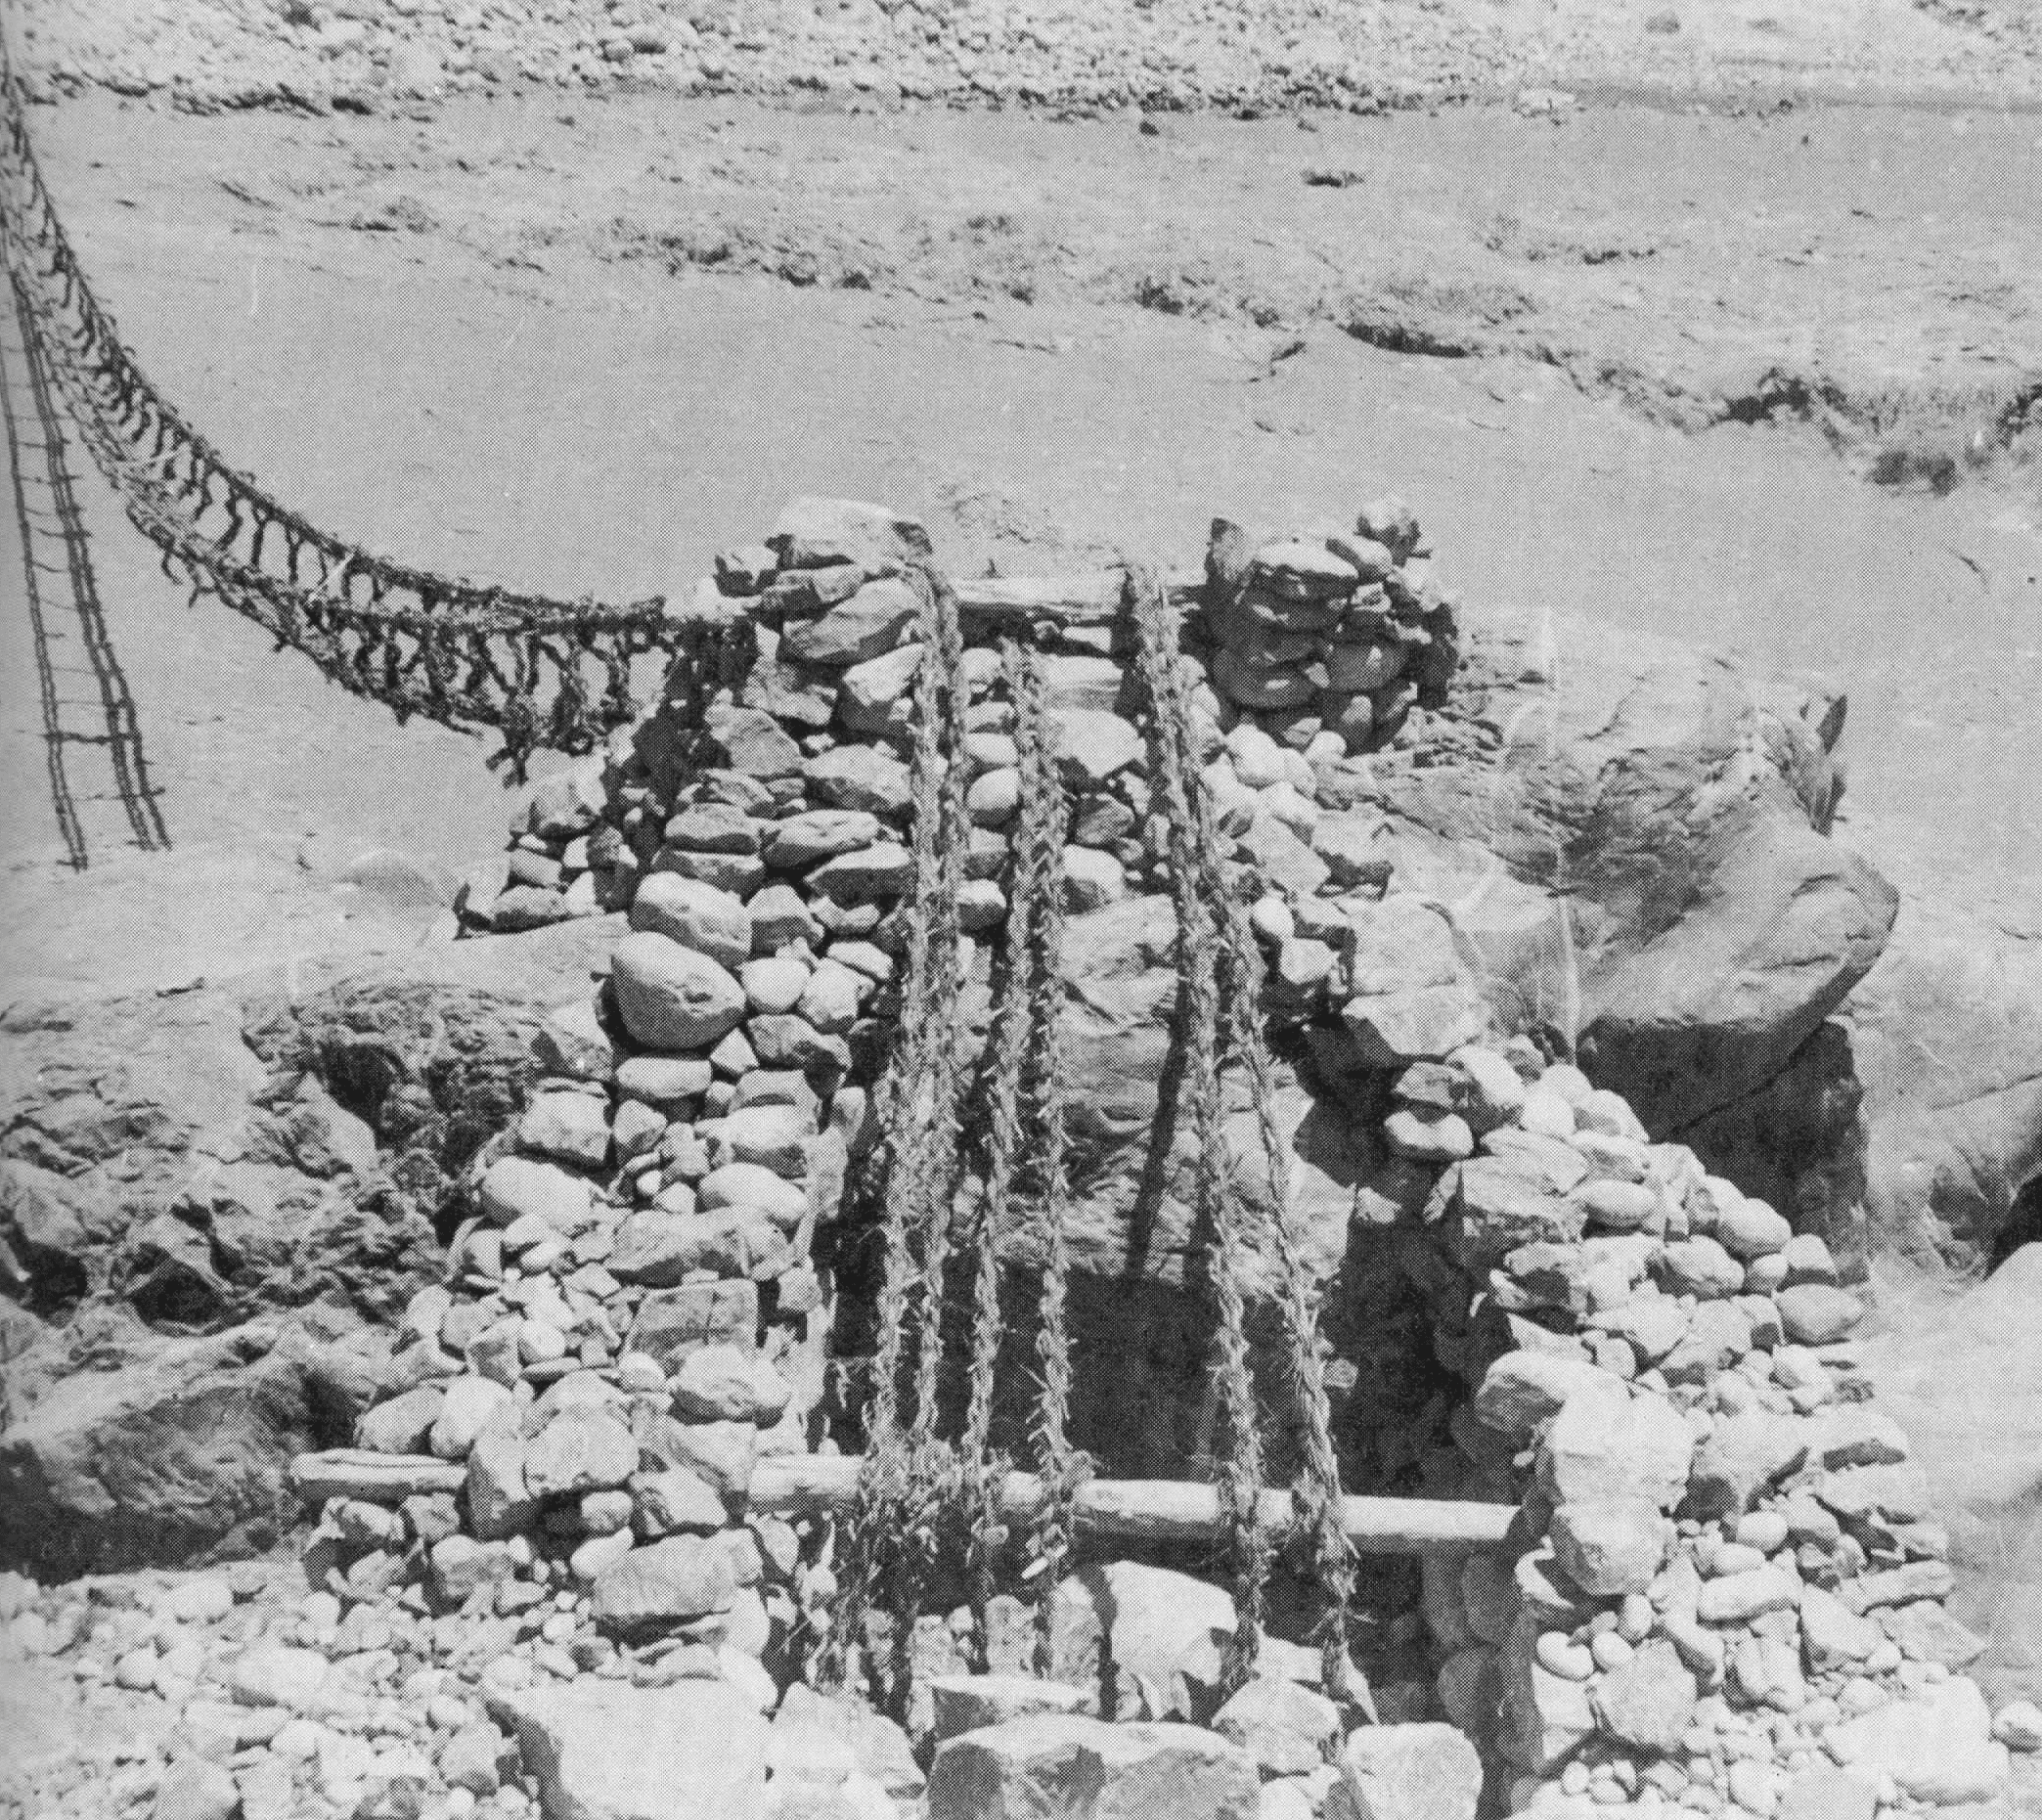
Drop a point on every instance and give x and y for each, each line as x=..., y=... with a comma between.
x=539, y=672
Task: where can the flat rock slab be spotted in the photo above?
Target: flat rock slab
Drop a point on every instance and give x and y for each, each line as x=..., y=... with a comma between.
x=1406, y=1772
x=600, y=1751
x=1050, y=1767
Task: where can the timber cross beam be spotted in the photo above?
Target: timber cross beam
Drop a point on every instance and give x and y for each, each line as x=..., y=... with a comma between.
x=1134, y=1510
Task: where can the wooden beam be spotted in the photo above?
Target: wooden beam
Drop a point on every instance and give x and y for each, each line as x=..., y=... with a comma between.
x=987, y=603
x=1133, y=1509
x=373, y=1478
x=1159, y=1510
x=1090, y=600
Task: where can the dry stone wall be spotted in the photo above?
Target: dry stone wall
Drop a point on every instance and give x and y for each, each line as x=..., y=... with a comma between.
x=1730, y=1595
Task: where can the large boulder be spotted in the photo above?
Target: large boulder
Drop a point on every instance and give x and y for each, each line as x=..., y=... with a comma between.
x=180, y=1454
x=204, y=1163
x=608, y=1751
x=670, y=1582
x=1406, y=1772
x=1947, y=1040
x=1608, y=1443
x=1136, y=1302
x=671, y=998
x=875, y=1743
x=813, y=533
x=1939, y=1746
x=1681, y=810
x=1155, y=1629
x=437, y=1050
x=1960, y=1373
x=1132, y=1211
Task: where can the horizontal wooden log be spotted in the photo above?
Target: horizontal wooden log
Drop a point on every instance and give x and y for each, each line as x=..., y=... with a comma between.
x=987, y=603
x=373, y=1478
x=1133, y=1509
x=1090, y=600
x=1159, y=1510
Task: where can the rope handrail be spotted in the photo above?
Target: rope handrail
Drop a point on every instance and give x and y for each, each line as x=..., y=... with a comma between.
x=542, y=672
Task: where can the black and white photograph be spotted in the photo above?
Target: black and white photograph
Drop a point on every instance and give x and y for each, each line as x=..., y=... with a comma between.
x=1021, y=910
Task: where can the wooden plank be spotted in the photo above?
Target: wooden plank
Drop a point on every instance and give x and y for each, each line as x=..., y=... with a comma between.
x=373, y=1478
x=987, y=603
x=1090, y=599
x=1160, y=1510
x=1137, y=1510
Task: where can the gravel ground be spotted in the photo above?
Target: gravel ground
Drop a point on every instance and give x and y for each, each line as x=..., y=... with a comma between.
x=1157, y=53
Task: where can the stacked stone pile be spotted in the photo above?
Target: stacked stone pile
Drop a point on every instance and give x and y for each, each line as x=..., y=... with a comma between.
x=1731, y=1594
x=207, y=1696
x=1312, y=650
x=755, y=832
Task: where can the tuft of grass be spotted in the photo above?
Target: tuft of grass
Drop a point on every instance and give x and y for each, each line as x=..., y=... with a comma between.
x=1916, y=464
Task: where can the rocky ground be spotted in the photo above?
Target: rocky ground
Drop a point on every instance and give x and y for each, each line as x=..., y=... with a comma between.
x=1174, y=54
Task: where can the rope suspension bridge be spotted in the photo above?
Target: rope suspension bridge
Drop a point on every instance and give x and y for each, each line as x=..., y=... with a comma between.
x=539, y=672
x=558, y=674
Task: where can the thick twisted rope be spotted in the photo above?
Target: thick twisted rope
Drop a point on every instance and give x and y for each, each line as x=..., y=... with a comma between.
x=542, y=672
x=1316, y=1494
x=1189, y=820
x=940, y=750
x=892, y=1530
x=1000, y=1121
x=1061, y=1468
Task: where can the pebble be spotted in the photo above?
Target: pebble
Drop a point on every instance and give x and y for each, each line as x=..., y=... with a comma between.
x=446, y=1713
x=199, y=1601
x=2018, y=1726
x=1610, y=1650
x=1258, y=760
x=1271, y=919
x=1635, y=1618
x=598, y=1553
x=639, y=1372
x=1762, y=1530
x=1546, y=1114
x=1569, y=1661
x=297, y=1741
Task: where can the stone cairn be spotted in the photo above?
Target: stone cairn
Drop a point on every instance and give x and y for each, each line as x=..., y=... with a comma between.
x=1721, y=1590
